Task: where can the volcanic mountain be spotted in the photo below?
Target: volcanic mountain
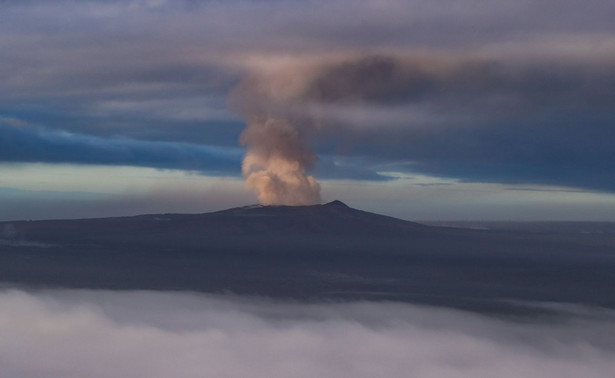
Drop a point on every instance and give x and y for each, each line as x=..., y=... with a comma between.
x=334, y=218
x=328, y=251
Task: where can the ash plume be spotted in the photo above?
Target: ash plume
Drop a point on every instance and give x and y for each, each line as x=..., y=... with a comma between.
x=284, y=102
x=278, y=157
x=406, y=106
x=276, y=162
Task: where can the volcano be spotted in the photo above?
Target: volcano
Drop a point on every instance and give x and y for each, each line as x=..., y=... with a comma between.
x=319, y=252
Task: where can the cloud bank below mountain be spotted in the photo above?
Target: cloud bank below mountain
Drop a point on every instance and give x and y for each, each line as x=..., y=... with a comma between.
x=101, y=334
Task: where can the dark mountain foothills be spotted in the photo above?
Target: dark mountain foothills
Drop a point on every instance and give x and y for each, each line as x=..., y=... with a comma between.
x=323, y=252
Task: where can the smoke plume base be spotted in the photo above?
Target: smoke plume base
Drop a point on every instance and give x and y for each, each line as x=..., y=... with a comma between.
x=277, y=161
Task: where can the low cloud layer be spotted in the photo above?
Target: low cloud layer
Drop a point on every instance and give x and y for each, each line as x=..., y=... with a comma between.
x=102, y=334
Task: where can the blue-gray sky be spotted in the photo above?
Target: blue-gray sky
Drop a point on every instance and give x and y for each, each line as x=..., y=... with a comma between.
x=418, y=109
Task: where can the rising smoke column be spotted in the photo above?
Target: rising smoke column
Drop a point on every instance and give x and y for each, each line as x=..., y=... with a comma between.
x=285, y=102
x=276, y=162
x=442, y=111
x=278, y=157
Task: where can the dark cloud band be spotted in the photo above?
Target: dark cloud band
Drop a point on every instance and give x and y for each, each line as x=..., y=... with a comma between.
x=23, y=144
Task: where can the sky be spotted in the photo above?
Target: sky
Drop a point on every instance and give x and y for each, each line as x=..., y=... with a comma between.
x=448, y=110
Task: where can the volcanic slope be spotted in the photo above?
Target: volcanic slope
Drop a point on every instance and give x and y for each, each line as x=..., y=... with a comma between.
x=319, y=252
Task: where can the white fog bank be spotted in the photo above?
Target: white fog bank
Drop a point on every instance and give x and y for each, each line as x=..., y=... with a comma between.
x=75, y=333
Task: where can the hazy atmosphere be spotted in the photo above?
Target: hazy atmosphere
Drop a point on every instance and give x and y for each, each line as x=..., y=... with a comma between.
x=421, y=110
x=307, y=188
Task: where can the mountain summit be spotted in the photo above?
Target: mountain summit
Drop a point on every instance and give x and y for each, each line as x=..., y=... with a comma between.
x=330, y=218
x=337, y=204
x=241, y=225
x=328, y=251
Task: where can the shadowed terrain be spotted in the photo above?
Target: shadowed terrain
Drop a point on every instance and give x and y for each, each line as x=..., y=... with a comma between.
x=320, y=252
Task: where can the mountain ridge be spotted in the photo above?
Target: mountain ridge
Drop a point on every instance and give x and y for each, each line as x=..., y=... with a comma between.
x=328, y=251
x=331, y=218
